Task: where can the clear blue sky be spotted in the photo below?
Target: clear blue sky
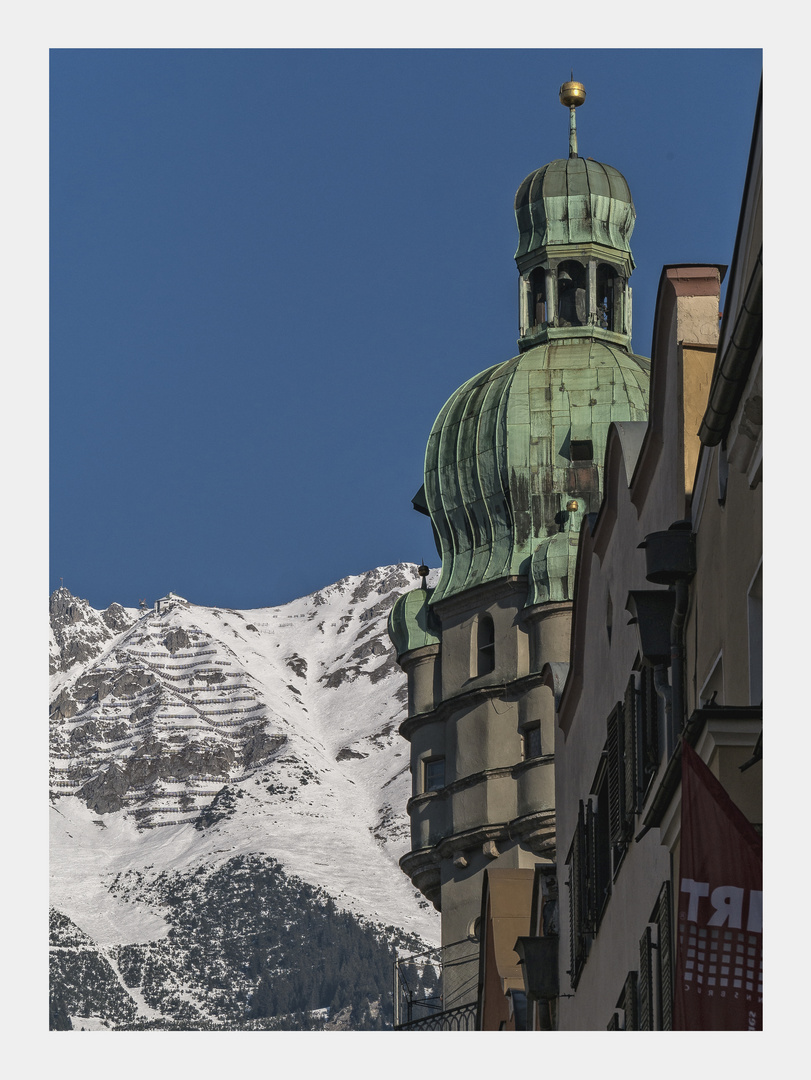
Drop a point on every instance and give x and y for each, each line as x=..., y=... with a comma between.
x=269, y=270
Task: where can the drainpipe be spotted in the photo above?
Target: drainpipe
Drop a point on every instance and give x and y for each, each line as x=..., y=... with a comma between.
x=663, y=689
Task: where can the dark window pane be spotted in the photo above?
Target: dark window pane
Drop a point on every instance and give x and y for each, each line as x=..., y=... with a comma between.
x=435, y=774
x=581, y=449
x=485, y=642
x=532, y=741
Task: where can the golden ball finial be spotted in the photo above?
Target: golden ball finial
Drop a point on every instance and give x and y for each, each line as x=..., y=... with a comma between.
x=572, y=93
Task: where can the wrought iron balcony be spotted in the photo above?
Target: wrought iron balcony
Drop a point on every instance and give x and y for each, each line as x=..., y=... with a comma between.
x=462, y=1018
x=418, y=996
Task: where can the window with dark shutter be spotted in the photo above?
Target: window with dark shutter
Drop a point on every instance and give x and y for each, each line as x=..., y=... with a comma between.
x=599, y=846
x=574, y=916
x=576, y=862
x=615, y=746
x=631, y=754
x=630, y=1001
x=640, y=735
x=592, y=906
x=646, y=981
x=614, y=785
x=649, y=734
x=614, y=1023
x=664, y=923
x=656, y=966
x=589, y=862
x=626, y=1009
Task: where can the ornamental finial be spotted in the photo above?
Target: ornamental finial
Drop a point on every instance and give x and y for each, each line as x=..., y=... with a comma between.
x=572, y=94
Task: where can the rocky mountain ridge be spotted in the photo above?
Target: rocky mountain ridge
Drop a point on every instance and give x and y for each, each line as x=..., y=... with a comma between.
x=191, y=739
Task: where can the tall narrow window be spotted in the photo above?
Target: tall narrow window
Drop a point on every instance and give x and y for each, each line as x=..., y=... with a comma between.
x=599, y=849
x=656, y=967
x=606, y=297
x=589, y=863
x=485, y=645
x=619, y=822
x=434, y=774
x=531, y=739
x=579, y=939
x=624, y=1017
x=537, y=314
x=571, y=293
x=648, y=720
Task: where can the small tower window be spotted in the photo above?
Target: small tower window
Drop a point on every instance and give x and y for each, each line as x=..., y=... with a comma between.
x=581, y=449
x=608, y=291
x=531, y=740
x=434, y=774
x=485, y=645
x=571, y=293
x=537, y=283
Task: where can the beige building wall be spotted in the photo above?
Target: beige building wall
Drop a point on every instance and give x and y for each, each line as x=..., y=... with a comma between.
x=701, y=460
x=645, y=491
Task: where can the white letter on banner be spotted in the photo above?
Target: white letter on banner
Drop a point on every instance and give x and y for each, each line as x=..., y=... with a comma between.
x=695, y=889
x=728, y=903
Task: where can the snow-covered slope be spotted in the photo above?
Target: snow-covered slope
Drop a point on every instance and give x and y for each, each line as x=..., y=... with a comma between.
x=197, y=737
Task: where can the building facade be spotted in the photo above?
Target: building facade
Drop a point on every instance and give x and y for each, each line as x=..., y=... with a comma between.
x=597, y=625
x=667, y=649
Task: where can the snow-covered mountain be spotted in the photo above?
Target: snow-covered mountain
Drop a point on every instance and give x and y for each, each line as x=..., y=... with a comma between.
x=196, y=752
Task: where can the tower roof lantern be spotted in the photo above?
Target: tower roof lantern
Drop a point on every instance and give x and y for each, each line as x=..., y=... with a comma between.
x=574, y=200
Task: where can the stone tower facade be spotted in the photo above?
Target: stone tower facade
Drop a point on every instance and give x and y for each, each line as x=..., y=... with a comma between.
x=513, y=465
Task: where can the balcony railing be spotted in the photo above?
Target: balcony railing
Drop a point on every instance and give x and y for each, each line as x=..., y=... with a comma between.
x=462, y=1018
x=418, y=996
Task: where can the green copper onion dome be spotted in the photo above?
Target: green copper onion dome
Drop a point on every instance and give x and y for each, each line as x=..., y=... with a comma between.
x=516, y=445
x=515, y=458
x=411, y=622
x=574, y=201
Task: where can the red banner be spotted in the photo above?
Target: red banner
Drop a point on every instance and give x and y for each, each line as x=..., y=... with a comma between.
x=719, y=969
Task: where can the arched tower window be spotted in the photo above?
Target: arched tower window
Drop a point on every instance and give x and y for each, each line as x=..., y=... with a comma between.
x=485, y=645
x=609, y=292
x=538, y=314
x=572, y=303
